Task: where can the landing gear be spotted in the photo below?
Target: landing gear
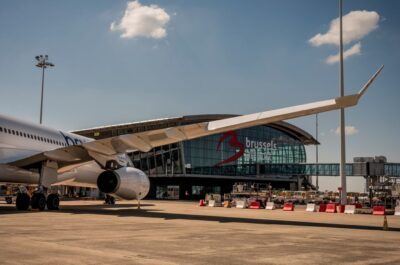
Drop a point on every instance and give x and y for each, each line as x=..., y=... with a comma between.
x=109, y=200
x=53, y=202
x=38, y=201
x=9, y=200
x=22, y=201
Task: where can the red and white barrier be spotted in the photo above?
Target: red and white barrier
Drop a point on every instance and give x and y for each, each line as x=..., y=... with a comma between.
x=322, y=208
x=202, y=203
x=270, y=206
x=255, y=205
x=378, y=210
x=241, y=204
x=397, y=210
x=350, y=209
x=340, y=208
x=331, y=208
x=288, y=206
x=311, y=207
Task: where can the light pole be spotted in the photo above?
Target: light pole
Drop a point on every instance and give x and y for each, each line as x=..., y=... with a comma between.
x=316, y=152
x=42, y=63
x=343, y=194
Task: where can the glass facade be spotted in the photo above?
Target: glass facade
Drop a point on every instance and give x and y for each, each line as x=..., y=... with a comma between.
x=244, y=152
x=248, y=151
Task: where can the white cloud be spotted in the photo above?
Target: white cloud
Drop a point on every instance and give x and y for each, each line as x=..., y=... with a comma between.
x=349, y=130
x=354, y=50
x=142, y=21
x=356, y=25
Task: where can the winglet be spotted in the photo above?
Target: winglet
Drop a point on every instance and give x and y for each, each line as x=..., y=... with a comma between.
x=365, y=87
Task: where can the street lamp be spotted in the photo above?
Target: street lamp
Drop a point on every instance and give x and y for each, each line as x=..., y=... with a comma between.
x=42, y=63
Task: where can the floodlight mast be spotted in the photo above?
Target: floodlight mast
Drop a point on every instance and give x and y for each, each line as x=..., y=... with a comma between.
x=42, y=63
x=343, y=186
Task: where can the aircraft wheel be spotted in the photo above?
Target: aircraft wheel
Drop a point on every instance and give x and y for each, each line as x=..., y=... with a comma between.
x=9, y=200
x=22, y=202
x=38, y=201
x=53, y=201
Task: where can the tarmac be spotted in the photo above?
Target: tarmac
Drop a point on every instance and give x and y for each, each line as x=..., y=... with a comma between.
x=176, y=232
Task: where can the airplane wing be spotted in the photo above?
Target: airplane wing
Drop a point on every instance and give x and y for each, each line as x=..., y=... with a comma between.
x=109, y=148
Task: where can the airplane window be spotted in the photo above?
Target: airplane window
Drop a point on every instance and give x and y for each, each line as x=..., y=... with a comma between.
x=13, y=132
x=9, y=131
x=25, y=135
x=1, y=129
x=41, y=139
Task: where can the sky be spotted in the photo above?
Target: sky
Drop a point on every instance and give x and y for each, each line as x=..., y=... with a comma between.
x=120, y=61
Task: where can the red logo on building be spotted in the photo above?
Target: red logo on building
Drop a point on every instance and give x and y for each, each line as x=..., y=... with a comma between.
x=233, y=142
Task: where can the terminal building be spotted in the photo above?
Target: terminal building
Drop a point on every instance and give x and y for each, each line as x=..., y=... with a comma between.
x=212, y=164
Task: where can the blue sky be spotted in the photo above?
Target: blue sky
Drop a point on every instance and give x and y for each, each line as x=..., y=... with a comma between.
x=214, y=57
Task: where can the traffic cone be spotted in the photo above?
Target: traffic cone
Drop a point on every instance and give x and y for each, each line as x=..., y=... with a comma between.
x=385, y=223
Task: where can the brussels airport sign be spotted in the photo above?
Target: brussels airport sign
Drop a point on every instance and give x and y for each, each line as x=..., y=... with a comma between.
x=260, y=144
x=249, y=149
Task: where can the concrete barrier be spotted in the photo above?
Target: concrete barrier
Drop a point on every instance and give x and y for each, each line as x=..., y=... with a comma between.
x=270, y=206
x=397, y=210
x=241, y=204
x=211, y=203
x=350, y=209
x=311, y=207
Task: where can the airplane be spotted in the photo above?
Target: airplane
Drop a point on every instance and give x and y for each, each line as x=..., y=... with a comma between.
x=39, y=155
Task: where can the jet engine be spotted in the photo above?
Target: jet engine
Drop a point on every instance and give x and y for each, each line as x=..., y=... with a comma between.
x=126, y=183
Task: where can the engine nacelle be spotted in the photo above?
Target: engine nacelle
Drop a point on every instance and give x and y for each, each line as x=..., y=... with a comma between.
x=126, y=183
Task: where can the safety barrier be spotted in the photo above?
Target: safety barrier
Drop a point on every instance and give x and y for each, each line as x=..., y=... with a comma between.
x=212, y=203
x=331, y=208
x=322, y=208
x=397, y=210
x=340, y=208
x=350, y=209
x=202, y=203
x=270, y=206
x=288, y=206
x=227, y=204
x=358, y=205
x=241, y=204
x=255, y=205
x=378, y=210
x=311, y=207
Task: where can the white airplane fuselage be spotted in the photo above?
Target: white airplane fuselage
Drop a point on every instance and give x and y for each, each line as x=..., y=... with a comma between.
x=20, y=139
